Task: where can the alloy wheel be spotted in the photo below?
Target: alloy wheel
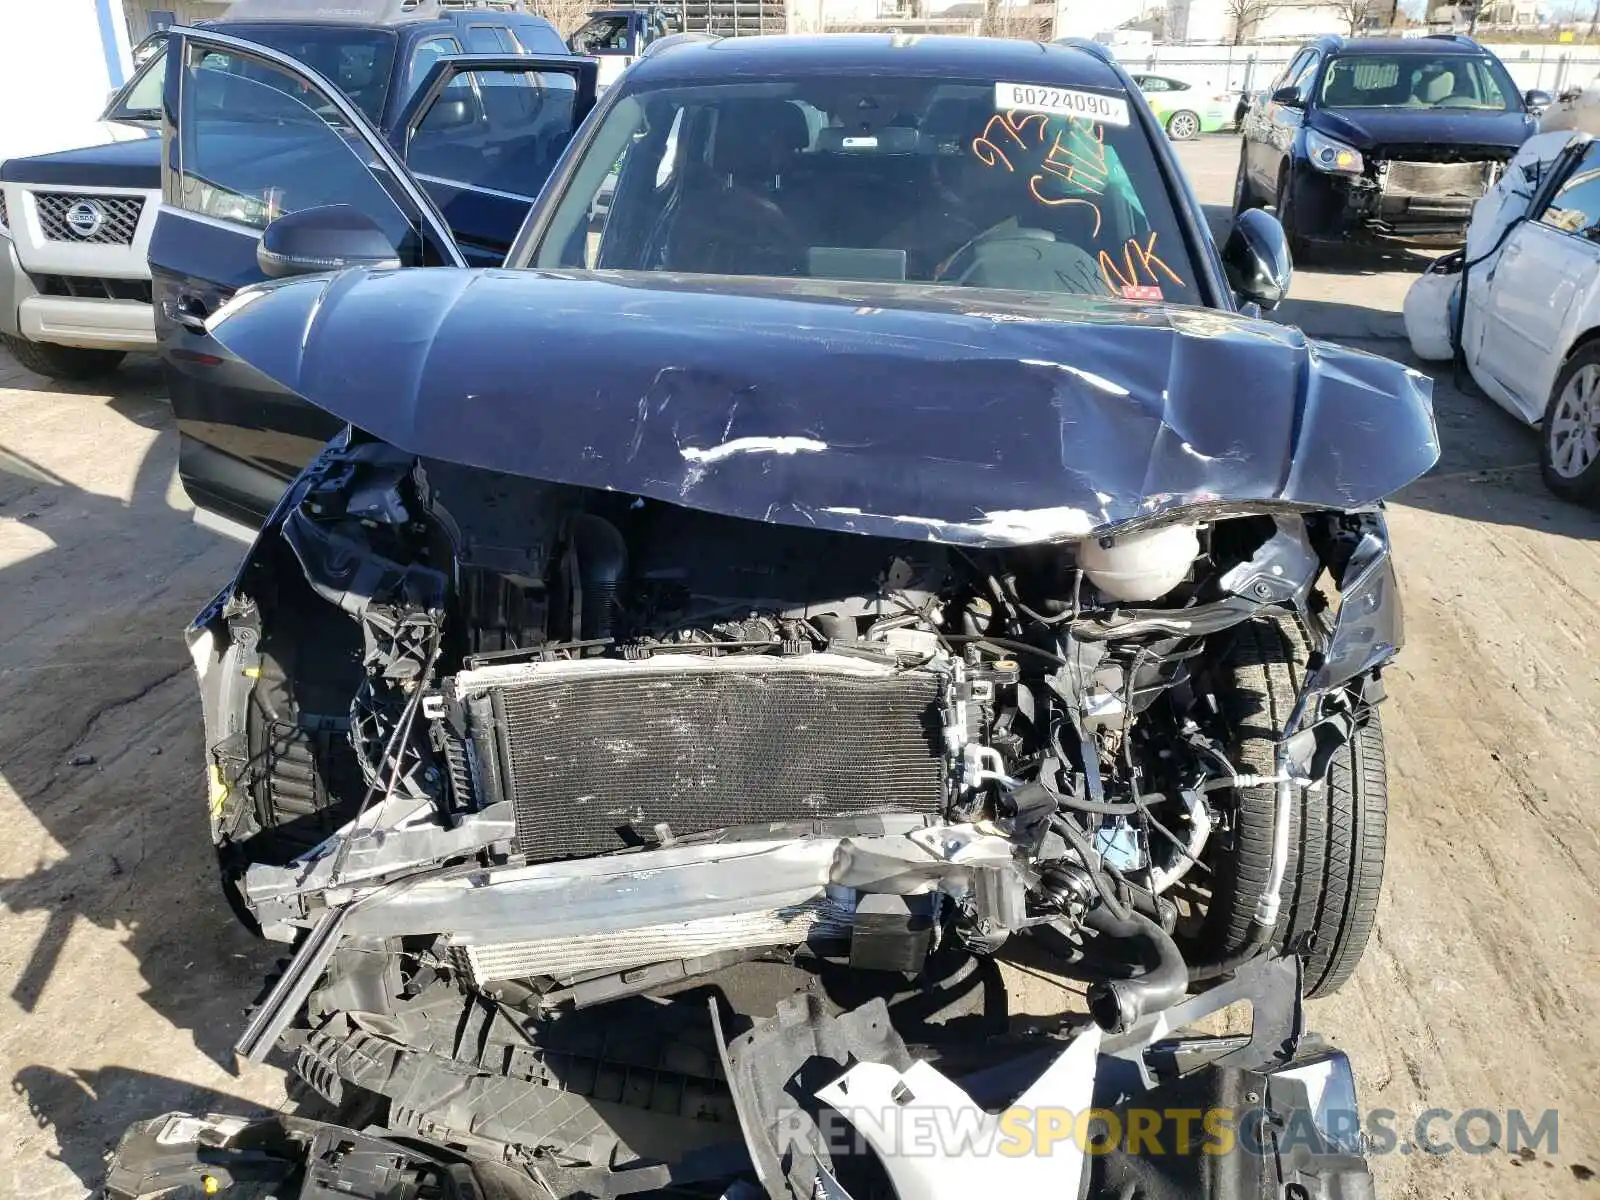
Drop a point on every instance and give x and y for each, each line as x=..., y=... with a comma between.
x=1574, y=431
x=1183, y=126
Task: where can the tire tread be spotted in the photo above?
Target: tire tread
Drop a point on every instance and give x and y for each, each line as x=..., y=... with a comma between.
x=62, y=362
x=1337, y=833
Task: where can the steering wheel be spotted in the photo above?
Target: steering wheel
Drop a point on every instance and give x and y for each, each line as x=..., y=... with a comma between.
x=1020, y=234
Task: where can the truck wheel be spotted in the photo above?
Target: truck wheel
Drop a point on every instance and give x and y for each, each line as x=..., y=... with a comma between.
x=1183, y=126
x=63, y=362
x=1569, y=442
x=1337, y=832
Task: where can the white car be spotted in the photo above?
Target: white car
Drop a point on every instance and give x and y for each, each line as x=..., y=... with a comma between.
x=1530, y=325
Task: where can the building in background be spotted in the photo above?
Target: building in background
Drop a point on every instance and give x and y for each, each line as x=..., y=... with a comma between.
x=145, y=17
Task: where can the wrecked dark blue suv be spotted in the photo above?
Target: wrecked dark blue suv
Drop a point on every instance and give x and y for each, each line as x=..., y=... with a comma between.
x=1389, y=139
x=878, y=541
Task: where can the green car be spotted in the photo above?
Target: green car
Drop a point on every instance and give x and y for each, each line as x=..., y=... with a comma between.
x=1184, y=110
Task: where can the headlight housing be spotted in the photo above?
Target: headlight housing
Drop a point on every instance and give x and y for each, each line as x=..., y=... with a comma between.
x=1334, y=157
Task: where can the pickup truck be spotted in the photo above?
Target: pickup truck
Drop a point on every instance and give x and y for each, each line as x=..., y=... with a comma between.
x=616, y=37
x=75, y=226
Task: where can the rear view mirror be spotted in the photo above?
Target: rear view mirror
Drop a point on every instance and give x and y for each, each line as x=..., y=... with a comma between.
x=323, y=239
x=1256, y=259
x=1289, y=97
x=1536, y=100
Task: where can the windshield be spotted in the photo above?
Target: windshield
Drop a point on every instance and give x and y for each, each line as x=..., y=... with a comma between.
x=359, y=61
x=1417, y=81
x=890, y=180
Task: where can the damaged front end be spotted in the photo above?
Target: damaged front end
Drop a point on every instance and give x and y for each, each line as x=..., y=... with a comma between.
x=601, y=814
x=1417, y=194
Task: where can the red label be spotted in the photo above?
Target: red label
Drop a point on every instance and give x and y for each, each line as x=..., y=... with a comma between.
x=1140, y=291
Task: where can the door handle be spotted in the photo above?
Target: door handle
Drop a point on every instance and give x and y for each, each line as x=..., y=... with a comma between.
x=189, y=312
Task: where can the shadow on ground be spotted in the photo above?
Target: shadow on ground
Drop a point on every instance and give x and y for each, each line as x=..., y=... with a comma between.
x=100, y=740
x=66, y=1102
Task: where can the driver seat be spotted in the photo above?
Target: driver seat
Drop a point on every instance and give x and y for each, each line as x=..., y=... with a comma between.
x=730, y=220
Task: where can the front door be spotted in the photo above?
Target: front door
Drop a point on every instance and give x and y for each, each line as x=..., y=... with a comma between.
x=1274, y=124
x=1547, y=262
x=250, y=134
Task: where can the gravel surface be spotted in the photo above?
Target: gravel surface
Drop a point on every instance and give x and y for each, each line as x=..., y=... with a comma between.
x=123, y=977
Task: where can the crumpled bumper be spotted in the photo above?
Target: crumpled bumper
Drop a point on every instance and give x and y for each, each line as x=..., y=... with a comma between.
x=1262, y=1115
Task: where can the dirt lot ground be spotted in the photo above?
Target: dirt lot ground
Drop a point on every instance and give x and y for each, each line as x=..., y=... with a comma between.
x=123, y=977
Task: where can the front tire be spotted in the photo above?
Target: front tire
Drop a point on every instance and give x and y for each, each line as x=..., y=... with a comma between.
x=1337, y=833
x=1569, y=441
x=1183, y=126
x=1289, y=218
x=66, y=363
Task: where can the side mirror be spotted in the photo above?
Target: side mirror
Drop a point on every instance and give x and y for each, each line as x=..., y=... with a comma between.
x=1289, y=97
x=323, y=239
x=1536, y=100
x=446, y=115
x=1256, y=259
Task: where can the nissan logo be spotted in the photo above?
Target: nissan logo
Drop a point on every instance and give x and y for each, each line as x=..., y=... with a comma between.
x=85, y=218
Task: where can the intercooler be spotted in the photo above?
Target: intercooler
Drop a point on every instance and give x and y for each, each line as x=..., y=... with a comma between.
x=826, y=917
x=595, y=754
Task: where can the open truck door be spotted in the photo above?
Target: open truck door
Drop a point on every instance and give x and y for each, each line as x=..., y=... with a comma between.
x=269, y=171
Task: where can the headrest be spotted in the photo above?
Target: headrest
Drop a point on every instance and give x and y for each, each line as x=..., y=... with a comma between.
x=758, y=137
x=1439, y=87
x=1341, y=88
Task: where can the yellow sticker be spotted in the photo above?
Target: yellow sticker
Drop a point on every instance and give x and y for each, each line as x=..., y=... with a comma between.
x=219, y=791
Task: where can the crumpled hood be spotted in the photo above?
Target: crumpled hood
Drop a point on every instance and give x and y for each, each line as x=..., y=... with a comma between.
x=964, y=416
x=1373, y=128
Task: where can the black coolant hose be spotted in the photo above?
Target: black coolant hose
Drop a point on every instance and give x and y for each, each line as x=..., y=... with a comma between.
x=1116, y=1004
x=602, y=562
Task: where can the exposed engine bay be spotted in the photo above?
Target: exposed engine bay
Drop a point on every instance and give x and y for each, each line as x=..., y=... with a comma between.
x=503, y=755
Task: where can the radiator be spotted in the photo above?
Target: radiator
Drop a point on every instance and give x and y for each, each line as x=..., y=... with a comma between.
x=1437, y=179
x=594, y=754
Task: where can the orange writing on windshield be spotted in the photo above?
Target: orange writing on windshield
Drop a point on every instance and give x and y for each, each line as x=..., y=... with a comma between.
x=1140, y=266
x=1071, y=167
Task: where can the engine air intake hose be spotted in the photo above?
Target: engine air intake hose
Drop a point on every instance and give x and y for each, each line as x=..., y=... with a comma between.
x=1117, y=1004
x=602, y=562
